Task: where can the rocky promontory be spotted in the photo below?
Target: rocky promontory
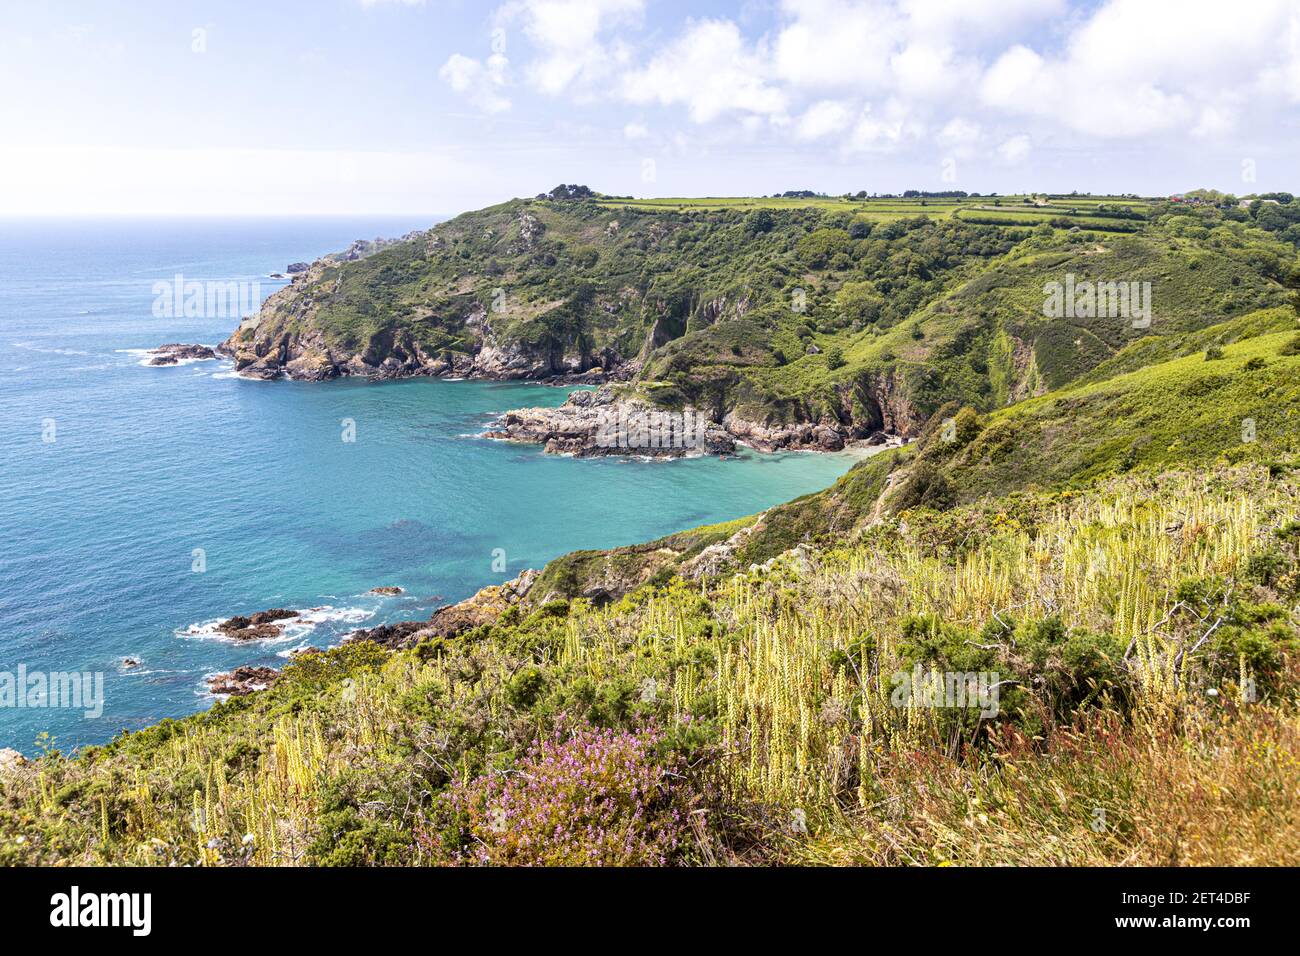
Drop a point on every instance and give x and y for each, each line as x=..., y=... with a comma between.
x=484, y=607
x=592, y=423
x=242, y=681
x=595, y=423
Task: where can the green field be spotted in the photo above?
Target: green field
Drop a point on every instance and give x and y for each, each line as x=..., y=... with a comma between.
x=985, y=210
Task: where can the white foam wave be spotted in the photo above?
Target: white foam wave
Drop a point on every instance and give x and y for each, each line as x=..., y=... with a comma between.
x=295, y=629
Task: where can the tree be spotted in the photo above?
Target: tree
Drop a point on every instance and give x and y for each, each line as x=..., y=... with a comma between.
x=820, y=245
x=859, y=304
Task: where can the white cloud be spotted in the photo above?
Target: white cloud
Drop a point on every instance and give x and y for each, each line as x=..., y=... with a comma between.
x=1016, y=149
x=922, y=71
x=1100, y=70
x=959, y=135
x=479, y=81
x=711, y=71
x=837, y=44
x=884, y=132
x=635, y=131
x=822, y=119
x=1139, y=67
x=568, y=36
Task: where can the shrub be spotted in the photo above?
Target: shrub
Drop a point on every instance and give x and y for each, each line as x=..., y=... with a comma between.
x=1213, y=353
x=594, y=798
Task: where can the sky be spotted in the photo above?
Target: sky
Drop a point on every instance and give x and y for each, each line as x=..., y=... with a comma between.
x=344, y=107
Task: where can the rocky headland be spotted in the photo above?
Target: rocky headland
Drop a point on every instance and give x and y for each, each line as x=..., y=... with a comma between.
x=593, y=423
x=242, y=681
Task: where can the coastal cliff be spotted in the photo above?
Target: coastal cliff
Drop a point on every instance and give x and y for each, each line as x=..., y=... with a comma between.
x=776, y=329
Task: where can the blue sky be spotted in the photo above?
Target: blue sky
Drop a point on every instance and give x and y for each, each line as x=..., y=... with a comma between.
x=399, y=106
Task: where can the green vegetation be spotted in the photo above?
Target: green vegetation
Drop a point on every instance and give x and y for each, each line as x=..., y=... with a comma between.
x=863, y=314
x=1099, y=512
x=755, y=718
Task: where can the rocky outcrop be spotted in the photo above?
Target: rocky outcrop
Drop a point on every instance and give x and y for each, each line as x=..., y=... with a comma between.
x=716, y=558
x=485, y=607
x=242, y=681
x=591, y=423
x=802, y=435
x=295, y=267
x=395, y=353
x=597, y=423
x=11, y=761
x=176, y=352
x=388, y=591
x=256, y=627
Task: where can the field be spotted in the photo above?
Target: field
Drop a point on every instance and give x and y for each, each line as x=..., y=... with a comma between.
x=999, y=210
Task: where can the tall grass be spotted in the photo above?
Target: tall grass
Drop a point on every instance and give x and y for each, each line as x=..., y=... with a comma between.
x=793, y=661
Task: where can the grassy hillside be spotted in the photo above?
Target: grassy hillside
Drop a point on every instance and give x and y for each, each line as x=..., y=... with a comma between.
x=756, y=718
x=1189, y=411
x=862, y=314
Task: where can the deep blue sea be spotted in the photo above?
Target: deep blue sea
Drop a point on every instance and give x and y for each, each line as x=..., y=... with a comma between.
x=99, y=527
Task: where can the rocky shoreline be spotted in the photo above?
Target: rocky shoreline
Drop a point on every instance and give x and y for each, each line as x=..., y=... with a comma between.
x=263, y=625
x=451, y=620
x=596, y=423
x=316, y=363
x=591, y=424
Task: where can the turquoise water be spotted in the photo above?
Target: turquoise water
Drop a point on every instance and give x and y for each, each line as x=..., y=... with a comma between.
x=99, y=528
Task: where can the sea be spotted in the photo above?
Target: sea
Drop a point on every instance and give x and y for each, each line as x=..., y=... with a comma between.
x=141, y=505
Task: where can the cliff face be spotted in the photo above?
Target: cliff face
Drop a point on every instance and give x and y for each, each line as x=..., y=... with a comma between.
x=289, y=338
x=810, y=329
x=571, y=294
